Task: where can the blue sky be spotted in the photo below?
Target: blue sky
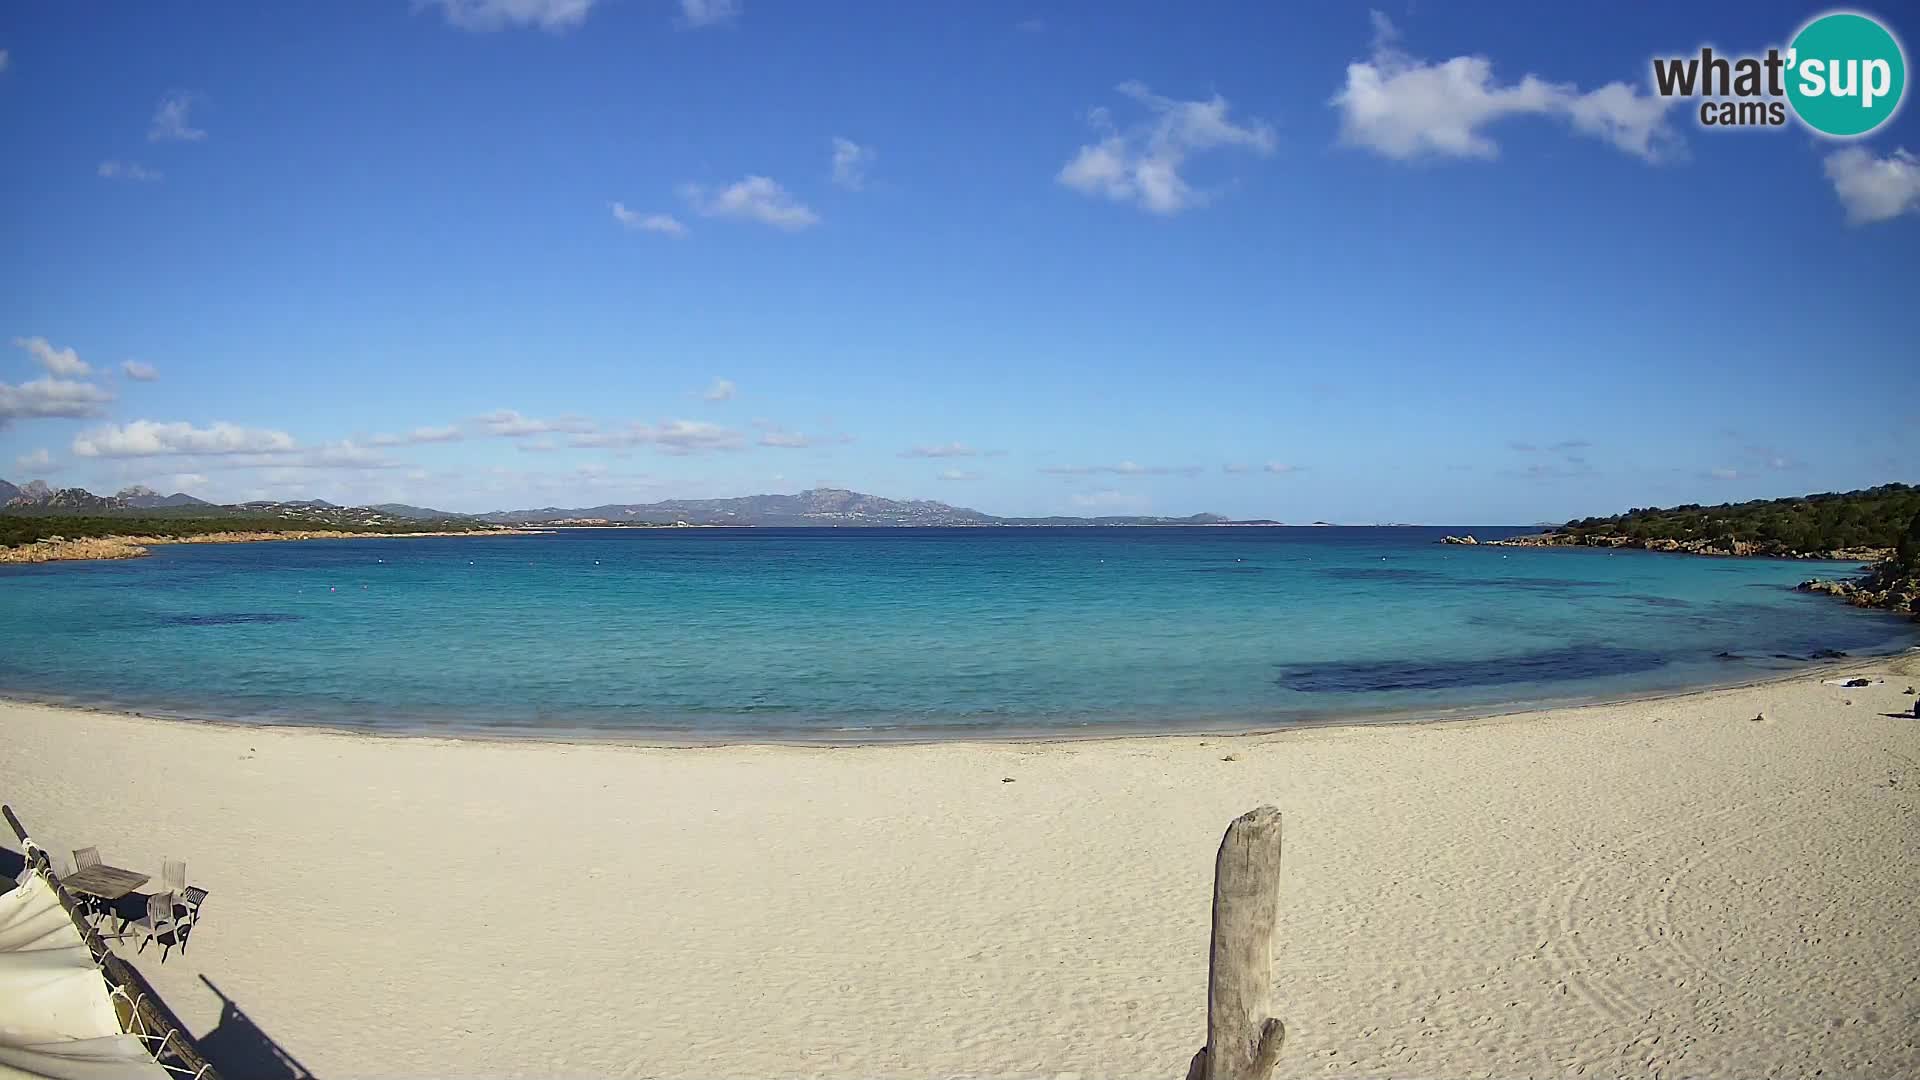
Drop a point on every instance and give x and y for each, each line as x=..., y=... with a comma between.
x=1415, y=265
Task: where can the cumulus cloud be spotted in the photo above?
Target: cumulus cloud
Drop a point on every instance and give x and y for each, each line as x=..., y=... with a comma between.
x=126, y=170
x=755, y=198
x=664, y=224
x=1140, y=165
x=1402, y=107
x=720, y=390
x=672, y=437
x=702, y=13
x=482, y=16
x=850, y=162
x=943, y=450
x=62, y=362
x=39, y=459
x=419, y=435
x=1875, y=188
x=508, y=424
x=140, y=372
x=1124, y=468
x=777, y=436
x=148, y=438
x=172, y=121
x=50, y=399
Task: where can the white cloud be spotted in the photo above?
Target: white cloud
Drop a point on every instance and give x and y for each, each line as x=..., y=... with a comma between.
x=1724, y=474
x=482, y=16
x=1874, y=188
x=787, y=440
x=1403, y=107
x=699, y=13
x=509, y=424
x=39, y=459
x=419, y=435
x=140, y=372
x=50, y=398
x=1141, y=164
x=1112, y=502
x=1279, y=467
x=147, y=438
x=1124, y=468
x=721, y=390
x=671, y=437
x=850, y=162
x=665, y=224
x=182, y=481
x=62, y=362
x=172, y=121
x=944, y=450
x=958, y=474
x=538, y=446
x=126, y=170
x=755, y=198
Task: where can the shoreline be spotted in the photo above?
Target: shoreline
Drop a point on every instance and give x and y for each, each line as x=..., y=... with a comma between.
x=966, y=735
x=104, y=548
x=1717, y=883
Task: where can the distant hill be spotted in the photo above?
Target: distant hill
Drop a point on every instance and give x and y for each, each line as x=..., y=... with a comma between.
x=145, y=498
x=817, y=507
x=413, y=513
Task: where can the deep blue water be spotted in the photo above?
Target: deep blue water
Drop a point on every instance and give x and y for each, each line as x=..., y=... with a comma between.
x=731, y=633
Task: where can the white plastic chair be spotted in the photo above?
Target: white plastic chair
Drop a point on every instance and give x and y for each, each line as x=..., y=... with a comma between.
x=159, y=920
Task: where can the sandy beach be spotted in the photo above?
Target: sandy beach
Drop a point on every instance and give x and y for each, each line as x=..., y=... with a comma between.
x=1659, y=888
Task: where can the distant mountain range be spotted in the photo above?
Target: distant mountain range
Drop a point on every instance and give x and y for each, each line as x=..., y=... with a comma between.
x=36, y=495
x=818, y=507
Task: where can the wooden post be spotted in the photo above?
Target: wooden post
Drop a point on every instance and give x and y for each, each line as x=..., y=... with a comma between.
x=1243, y=1038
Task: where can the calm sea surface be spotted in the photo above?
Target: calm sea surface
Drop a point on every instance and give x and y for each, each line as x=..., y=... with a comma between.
x=850, y=633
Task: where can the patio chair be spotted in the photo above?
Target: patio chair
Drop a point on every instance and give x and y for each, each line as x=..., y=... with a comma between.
x=157, y=921
x=173, y=875
x=83, y=858
x=194, y=896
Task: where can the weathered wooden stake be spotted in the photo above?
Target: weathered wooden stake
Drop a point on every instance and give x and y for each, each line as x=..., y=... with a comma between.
x=1243, y=1038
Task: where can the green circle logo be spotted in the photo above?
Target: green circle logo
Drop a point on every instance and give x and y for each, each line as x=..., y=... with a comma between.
x=1845, y=74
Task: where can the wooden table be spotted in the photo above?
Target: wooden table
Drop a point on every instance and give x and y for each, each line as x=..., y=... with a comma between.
x=105, y=882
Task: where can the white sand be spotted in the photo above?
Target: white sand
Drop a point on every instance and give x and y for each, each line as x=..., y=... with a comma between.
x=1661, y=888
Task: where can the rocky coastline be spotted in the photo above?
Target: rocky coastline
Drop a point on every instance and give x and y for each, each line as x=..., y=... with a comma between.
x=1730, y=549
x=62, y=549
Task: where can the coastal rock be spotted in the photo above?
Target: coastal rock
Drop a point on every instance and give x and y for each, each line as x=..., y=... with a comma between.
x=1467, y=539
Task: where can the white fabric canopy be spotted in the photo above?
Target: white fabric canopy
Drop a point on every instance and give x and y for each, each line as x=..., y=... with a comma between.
x=56, y=1015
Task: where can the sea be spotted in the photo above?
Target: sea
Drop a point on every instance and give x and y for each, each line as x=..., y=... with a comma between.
x=843, y=634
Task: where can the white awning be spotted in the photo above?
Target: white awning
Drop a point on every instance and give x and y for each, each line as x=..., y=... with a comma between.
x=56, y=1013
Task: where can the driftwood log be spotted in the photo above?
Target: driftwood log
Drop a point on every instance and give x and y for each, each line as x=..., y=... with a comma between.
x=1243, y=1037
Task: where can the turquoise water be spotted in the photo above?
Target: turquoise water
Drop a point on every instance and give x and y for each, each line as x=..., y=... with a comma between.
x=845, y=633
